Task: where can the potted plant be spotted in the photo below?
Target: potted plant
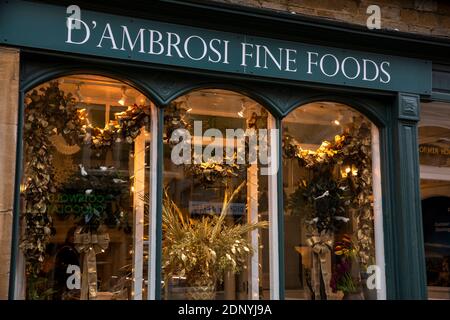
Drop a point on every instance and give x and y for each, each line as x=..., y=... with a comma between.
x=345, y=278
x=203, y=249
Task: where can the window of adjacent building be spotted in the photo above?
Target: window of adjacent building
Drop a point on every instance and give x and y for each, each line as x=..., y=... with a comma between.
x=434, y=152
x=86, y=189
x=332, y=204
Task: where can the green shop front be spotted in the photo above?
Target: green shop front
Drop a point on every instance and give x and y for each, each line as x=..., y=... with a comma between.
x=162, y=157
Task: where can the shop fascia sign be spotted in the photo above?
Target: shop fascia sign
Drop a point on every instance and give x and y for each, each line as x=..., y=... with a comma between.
x=86, y=32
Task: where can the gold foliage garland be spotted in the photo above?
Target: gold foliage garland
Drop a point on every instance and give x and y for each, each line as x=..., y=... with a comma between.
x=128, y=127
x=47, y=113
x=205, y=171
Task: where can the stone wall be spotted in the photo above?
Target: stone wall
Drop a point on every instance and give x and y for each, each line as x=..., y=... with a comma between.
x=427, y=17
x=9, y=89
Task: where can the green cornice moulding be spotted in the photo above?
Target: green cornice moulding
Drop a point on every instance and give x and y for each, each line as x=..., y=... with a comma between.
x=50, y=27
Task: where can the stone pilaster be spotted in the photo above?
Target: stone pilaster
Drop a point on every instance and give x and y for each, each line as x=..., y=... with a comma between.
x=9, y=90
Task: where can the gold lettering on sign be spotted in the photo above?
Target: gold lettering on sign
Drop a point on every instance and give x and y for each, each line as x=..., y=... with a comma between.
x=445, y=151
x=429, y=150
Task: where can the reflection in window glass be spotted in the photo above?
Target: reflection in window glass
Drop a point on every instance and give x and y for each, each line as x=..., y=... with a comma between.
x=329, y=238
x=85, y=227
x=434, y=152
x=212, y=248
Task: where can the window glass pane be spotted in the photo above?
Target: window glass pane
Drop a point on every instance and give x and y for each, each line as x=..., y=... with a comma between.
x=434, y=152
x=329, y=238
x=85, y=227
x=434, y=146
x=205, y=256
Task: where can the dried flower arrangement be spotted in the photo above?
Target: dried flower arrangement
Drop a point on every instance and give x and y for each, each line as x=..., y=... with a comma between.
x=202, y=250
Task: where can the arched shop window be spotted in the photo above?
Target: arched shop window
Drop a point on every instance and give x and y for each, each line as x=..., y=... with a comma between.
x=89, y=197
x=434, y=155
x=87, y=180
x=218, y=206
x=333, y=243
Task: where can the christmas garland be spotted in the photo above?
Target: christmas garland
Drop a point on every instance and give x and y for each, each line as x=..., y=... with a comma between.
x=208, y=172
x=127, y=127
x=324, y=155
x=358, y=151
x=175, y=117
x=50, y=112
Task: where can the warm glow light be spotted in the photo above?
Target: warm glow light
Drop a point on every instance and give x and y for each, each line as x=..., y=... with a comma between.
x=123, y=98
x=354, y=170
x=345, y=171
x=241, y=112
x=337, y=122
x=78, y=94
x=189, y=110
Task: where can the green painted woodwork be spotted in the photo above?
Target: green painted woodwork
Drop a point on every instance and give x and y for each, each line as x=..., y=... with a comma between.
x=45, y=26
x=395, y=115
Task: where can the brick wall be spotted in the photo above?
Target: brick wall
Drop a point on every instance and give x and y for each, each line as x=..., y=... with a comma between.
x=428, y=17
x=9, y=89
